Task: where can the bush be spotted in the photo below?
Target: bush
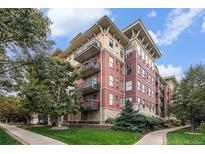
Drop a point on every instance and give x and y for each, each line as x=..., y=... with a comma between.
x=130, y=120
x=89, y=122
x=110, y=121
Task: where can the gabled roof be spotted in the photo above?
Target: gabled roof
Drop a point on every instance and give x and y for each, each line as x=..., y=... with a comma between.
x=104, y=22
x=138, y=25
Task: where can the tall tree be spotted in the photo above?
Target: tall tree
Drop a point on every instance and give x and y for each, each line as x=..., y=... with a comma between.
x=50, y=88
x=8, y=107
x=189, y=96
x=23, y=36
x=60, y=83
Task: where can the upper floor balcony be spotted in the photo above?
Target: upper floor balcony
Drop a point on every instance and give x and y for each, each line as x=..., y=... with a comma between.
x=89, y=68
x=88, y=87
x=87, y=51
x=90, y=105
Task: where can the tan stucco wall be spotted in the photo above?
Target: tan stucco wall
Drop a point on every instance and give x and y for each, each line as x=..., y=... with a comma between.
x=145, y=111
x=71, y=60
x=104, y=39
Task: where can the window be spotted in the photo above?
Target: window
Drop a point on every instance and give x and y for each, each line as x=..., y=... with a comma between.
x=111, y=80
x=149, y=92
x=111, y=99
x=143, y=103
x=138, y=86
x=152, y=80
x=128, y=69
x=122, y=53
x=138, y=51
x=111, y=43
x=129, y=98
x=122, y=85
x=139, y=69
x=139, y=102
x=150, y=106
x=128, y=85
x=143, y=88
x=122, y=103
x=128, y=52
x=143, y=58
x=149, y=62
x=111, y=61
x=146, y=58
x=143, y=73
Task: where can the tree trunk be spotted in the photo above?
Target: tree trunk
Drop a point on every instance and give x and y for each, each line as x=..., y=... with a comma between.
x=59, y=121
x=193, y=124
x=49, y=120
x=27, y=120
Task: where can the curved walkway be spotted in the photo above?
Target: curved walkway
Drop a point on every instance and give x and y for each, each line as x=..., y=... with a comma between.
x=27, y=137
x=157, y=137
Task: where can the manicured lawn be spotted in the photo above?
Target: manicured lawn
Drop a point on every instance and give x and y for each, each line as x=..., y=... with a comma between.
x=88, y=136
x=6, y=139
x=179, y=137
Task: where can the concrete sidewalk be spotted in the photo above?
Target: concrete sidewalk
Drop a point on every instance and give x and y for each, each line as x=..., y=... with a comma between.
x=157, y=137
x=27, y=137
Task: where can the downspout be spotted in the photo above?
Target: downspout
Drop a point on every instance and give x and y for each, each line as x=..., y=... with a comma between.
x=101, y=75
x=101, y=83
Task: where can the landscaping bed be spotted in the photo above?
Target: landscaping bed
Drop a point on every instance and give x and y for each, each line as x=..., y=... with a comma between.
x=89, y=136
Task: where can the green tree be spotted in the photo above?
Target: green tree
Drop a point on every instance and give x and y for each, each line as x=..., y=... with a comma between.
x=23, y=36
x=50, y=88
x=8, y=107
x=189, y=97
x=33, y=94
x=130, y=120
x=60, y=83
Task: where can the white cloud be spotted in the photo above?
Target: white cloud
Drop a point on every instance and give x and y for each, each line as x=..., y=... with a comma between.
x=69, y=22
x=170, y=70
x=203, y=26
x=152, y=14
x=154, y=36
x=177, y=22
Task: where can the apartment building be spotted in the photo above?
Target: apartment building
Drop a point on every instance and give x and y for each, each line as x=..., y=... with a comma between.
x=117, y=65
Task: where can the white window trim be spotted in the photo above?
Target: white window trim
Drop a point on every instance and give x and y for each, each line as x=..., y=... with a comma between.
x=129, y=85
x=111, y=80
x=111, y=99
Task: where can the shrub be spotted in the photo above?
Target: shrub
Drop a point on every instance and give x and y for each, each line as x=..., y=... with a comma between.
x=110, y=121
x=89, y=122
x=132, y=121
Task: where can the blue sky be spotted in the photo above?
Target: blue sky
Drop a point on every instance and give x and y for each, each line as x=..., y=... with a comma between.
x=179, y=33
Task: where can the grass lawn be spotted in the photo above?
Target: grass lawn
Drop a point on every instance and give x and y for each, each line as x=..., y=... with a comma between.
x=88, y=136
x=179, y=137
x=6, y=139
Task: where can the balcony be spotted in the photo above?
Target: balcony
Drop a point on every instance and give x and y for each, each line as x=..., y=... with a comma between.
x=90, y=68
x=87, y=51
x=90, y=105
x=88, y=87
